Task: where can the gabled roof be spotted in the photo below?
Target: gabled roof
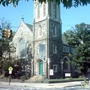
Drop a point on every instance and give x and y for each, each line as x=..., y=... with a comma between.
x=29, y=26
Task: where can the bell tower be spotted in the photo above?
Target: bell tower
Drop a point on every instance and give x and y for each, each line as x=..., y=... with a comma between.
x=47, y=39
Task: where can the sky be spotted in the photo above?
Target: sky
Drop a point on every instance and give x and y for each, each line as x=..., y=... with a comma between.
x=70, y=17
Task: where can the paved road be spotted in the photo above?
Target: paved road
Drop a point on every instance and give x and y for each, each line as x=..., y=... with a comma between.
x=8, y=87
x=42, y=86
x=76, y=88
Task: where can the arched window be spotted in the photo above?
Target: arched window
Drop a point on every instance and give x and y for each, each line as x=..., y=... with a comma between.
x=41, y=50
x=22, y=48
x=55, y=67
x=38, y=12
x=54, y=49
x=50, y=9
x=40, y=31
x=55, y=10
x=66, y=65
x=54, y=31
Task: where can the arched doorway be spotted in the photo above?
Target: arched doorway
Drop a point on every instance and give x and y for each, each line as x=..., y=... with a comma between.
x=66, y=65
x=41, y=68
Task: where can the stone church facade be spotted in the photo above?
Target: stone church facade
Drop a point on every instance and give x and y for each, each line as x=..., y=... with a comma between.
x=41, y=44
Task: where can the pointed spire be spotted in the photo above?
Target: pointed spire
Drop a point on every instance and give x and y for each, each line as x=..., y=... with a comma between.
x=22, y=18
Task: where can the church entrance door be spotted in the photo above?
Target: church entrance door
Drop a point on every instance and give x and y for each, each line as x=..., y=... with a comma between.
x=41, y=68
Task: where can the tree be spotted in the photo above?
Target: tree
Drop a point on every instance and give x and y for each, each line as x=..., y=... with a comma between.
x=4, y=43
x=66, y=3
x=79, y=37
x=4, y=24
x=5, y=48
x=5, y=67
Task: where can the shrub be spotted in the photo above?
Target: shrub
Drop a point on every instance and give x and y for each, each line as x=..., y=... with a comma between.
x=5, y=67
x=81, y=77
x=23, y=78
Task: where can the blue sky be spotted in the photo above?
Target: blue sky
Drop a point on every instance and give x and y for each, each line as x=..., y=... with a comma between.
x=69, y=17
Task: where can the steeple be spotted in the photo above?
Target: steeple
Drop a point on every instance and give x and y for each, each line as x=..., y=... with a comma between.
x=22, y=18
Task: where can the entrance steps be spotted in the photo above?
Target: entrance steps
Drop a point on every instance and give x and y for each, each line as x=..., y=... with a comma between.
x=35, y=79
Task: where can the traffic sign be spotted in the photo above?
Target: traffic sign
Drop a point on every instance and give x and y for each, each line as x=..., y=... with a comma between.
x=10, y=69
x=10, y=72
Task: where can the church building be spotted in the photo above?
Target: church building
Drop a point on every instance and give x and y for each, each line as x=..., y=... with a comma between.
x=41, y=44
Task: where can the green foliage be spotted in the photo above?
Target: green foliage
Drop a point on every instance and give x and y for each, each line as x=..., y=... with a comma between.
x=17, y=65
x=79, y=37
x=81, y=77
x=24, y=77
x=6, y=65
x=66, y=3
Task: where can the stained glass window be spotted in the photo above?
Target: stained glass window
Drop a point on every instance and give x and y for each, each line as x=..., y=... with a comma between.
x=42, y=51
x=22, y=48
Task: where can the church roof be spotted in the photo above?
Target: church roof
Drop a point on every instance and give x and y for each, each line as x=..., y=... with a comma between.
x=30, y=26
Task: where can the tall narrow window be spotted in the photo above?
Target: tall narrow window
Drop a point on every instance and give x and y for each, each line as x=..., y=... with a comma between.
x=54, y=31
x=40, y=31
x=50, y=9
x=42, y=51
x=55, y=11
x=55, y=68
x=54, y=49
x=66, y=65
x=22, y=48
x=44, y=9
x=38, y=12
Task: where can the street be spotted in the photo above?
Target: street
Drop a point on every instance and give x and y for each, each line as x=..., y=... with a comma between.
x=9, y=87
x=43, y=86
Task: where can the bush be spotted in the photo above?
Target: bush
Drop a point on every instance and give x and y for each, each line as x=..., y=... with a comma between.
x=6, y=65
x=23, y=78
x=27, y=75
x=81, y=77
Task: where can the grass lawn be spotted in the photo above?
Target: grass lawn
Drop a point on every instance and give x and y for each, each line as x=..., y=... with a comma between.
x=62, y=80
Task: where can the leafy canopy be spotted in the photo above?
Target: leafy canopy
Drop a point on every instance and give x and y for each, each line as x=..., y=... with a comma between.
x=66, y=3
x=79, y=37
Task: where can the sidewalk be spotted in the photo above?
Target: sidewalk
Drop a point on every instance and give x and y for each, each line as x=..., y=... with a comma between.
x=43, y=85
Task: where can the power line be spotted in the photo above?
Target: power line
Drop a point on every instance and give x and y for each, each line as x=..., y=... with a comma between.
x=62, y=25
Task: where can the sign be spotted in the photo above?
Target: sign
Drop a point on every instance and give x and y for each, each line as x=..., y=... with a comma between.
x=10, y=69
x=10, y=72
x=67, y=74
x=51, y=72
